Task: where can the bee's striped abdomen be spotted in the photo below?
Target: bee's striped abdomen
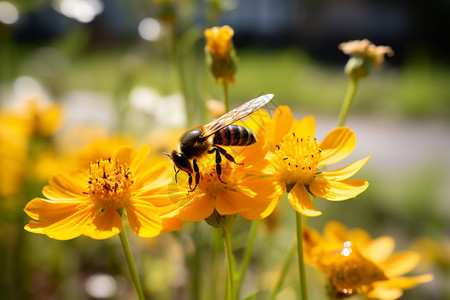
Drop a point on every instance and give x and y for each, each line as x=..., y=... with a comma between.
x=234, y=135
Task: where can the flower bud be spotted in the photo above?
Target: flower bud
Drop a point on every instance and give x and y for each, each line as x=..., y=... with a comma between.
x=363, y=56
x=220, y=53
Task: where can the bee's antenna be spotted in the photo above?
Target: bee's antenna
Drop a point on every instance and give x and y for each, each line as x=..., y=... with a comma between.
x=168, y=155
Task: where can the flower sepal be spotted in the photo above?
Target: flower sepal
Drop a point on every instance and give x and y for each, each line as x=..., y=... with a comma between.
x=219, y=221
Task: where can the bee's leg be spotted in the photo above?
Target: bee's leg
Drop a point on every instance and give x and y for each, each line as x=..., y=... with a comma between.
x=227, y=156
x=176, y=173
x=197, y=175
x=218, y=161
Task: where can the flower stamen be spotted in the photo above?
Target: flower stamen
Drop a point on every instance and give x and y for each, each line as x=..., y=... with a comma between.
x=110, y=184
x=297, y=158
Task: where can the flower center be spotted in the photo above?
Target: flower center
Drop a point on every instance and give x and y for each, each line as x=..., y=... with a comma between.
x=210, y=183
x=297, y=158
x=110, y=184
x=347, y=268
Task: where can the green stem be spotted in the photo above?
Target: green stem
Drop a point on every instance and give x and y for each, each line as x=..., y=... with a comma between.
x=247, y=255
x=225, y=96
x=284, y=270
x=230, y=264
x=131, y=265
x=301, y=263
x=351, y=89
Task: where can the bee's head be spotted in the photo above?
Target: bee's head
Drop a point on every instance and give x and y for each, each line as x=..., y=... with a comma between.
x=180, y=161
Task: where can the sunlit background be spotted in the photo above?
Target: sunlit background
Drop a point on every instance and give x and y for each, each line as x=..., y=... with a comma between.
x=116, y=72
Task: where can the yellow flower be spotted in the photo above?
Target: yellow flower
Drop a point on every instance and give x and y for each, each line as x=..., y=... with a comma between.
x=298, y=157
x=91, y=202
x=220, y=51
x=237, y=192
x=364, y=55
x=44, y=118
x=356, y=263
x=219, y=41
x=13, y=153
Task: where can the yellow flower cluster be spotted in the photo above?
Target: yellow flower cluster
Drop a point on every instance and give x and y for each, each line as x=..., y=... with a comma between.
x=356, y=263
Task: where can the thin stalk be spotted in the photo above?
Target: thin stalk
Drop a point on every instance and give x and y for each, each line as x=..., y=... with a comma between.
x=247, y=255
x=351, y=89
x=301, y=263
x=131, y=265
x=230, y=264
x=225, y=96
x=284, y=271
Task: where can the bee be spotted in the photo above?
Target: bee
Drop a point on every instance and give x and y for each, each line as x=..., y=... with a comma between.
x=208, y=138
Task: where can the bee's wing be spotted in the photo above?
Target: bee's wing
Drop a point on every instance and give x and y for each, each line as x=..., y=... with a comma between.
x=236, y=114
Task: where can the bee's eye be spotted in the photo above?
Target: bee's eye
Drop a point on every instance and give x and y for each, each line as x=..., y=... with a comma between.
x=181, y=162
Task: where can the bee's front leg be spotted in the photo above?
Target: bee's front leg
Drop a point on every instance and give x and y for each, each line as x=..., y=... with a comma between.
x=197, y=175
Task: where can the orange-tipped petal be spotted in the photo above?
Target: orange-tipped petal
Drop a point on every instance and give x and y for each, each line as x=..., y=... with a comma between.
x=337, y=145
x=345, y=172
x=300, y=200
x=338, y=190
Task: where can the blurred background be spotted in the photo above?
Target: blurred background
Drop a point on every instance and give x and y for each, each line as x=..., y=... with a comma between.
x=82, y=74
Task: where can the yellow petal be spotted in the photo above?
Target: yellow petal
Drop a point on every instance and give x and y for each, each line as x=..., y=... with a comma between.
x=124, y=154
x=337, y=145
x=158, y=196
x=43, y=209
x=153, y=175
x=232, y=202
x=104, y=225
x=407, y=282
x=379, y=250
x=299, y=199
x=64, y=228
x=378, y=291
x=359, y=237
x=282, y=121
x=63, y=186
x=345, y=172
x=336, y=232
x=145, y=222
x=304, y=127
x=196, y=209
x=268, y=193
x=401, y=263
x=338, y=190
x=139, y=158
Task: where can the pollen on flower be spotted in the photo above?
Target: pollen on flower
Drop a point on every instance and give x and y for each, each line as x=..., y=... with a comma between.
x=297, y=158
x=110, y=184
x=210, y=183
